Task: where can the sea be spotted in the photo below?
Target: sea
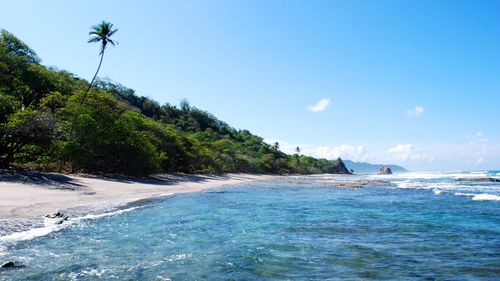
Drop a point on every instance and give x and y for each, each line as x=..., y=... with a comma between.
x=413, y=226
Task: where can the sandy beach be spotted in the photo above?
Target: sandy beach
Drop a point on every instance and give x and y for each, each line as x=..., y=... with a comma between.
x=25, y=195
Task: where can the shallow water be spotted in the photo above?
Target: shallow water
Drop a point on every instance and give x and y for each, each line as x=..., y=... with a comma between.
x=298, y=228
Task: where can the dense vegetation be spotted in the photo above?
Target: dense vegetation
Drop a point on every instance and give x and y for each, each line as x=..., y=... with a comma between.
x=45, y=125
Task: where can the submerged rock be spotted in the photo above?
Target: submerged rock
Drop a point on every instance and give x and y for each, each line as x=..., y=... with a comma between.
x=479, y=179
x=385, y=171
x=361, y=183
x=11, y=265
x=58, y=217
x=55, y=215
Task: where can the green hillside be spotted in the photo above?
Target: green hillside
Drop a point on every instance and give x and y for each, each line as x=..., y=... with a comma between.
x=47, y=122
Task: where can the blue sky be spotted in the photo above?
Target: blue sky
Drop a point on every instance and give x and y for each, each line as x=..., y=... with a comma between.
x=415, y=83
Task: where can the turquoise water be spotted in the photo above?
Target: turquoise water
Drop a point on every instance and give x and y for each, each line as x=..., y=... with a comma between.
x=421, y=228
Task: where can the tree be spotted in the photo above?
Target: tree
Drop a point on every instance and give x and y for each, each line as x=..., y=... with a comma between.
x=17, y=48
x=24, y=128
x=108, y=138
x=100, y=33
x=21, y=75
x=276, y=146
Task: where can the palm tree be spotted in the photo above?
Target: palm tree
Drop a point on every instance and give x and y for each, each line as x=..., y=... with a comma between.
x=100, y=33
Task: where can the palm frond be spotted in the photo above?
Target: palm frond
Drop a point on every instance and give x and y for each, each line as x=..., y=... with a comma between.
x=94, y=39
x=112, y=32
x=102, y=33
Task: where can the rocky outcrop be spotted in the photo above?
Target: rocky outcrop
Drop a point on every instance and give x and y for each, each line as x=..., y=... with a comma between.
x=340, y=167
x=385, y=171
x=479, y=179
x=361, y=183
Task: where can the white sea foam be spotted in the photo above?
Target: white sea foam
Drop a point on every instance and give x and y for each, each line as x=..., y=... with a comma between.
x=412, y=184
x=431, y=185
x=486, y=197
x=108, y=214
x=431, y=175
x=480, y=197
x=52, y=226
x=464, y=194
x=32, y=233
x=177, y=257
x=93, y=272
x=431, y=181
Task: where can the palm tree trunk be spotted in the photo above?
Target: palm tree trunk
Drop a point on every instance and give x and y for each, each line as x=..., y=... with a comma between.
x=63, y=161
x=95, y=75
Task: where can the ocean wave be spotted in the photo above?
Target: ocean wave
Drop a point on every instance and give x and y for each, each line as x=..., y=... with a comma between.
x=107, y=214
x=493, y=173
x=412, y=184
x=52, y=226
x=458, y=186
x=32, y=233
x=475, y=191
x=486, y=197
x=437, y=191
x=432, y=185
x=432, y=175
x=464, y=194
x=480, y=197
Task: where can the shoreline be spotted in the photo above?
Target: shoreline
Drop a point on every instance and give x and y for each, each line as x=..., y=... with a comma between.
x=26, y=195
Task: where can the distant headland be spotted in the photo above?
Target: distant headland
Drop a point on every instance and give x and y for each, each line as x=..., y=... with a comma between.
x=368, y=168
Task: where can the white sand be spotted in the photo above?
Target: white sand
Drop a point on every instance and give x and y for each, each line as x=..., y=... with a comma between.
x=31, y=199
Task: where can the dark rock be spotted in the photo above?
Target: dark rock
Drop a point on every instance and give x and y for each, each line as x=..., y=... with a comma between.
x=479, y=179
x=11, y=265
x=361, y=183
x=58, y=217
x=62, y=220
x=385, y=171
x=340, y=167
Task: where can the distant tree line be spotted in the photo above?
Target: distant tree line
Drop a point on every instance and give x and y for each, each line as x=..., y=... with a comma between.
x=45, y=125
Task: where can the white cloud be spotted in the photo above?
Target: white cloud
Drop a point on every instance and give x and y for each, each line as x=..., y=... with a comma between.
x=477, y=138
x=319, y=106
x=417, y=111
x=416, y=157
x=404, y=152
x=400, y=152
x=345, y=151
x=400, y=148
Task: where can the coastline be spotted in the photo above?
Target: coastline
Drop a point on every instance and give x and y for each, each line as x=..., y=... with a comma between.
x=34, y=195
